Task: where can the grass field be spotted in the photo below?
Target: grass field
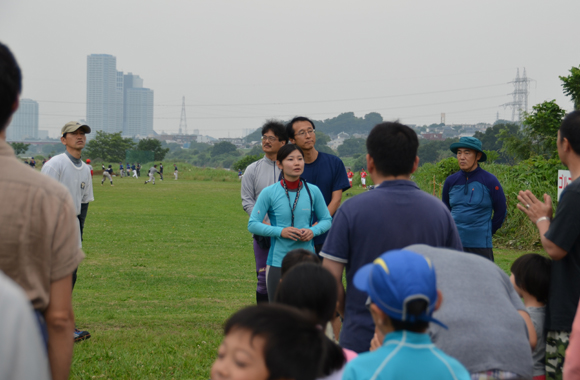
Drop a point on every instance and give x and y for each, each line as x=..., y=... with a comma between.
x=165, y=265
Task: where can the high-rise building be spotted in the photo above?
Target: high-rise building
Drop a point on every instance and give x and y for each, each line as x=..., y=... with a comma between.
x=24, y=123
x=102, y=93
x=138, y=112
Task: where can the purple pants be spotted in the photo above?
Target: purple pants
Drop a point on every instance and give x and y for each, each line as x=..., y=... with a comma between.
x=261, y=256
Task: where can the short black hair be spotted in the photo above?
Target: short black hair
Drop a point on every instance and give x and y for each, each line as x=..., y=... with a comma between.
x=312, y=289
x=10, y=84
x=414, y=307
x=277, y=128
x=290, y=125
x=532, y=273
x=286, y=150
x=570, y=129
x=297, y=256
x=393, y=148
x=293, y=348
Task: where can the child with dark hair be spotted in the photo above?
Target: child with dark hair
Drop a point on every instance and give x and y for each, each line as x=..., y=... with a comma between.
x=297, y=256
x=312, y=289
x=402, y=296
x=269, y=342
x=531, y=280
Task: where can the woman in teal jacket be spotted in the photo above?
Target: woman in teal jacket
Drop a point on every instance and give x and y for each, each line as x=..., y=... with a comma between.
x=291, y=205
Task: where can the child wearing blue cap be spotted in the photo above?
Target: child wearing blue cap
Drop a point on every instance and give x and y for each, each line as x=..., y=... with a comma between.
x=402, y=291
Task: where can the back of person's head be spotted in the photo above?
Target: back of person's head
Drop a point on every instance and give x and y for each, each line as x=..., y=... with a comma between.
x=403, y=285
x=286, y=150
x=293, y=344
x=312, y=289
x=297, y=256
x=10, y=84
x=393, y=148
x=290, y=125
x=278, y=129
x=532, y=274
x=570, y=129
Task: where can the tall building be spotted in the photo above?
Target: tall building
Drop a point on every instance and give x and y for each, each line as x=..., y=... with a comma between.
x=102, y=93
x=24, y=123
x=117, y=102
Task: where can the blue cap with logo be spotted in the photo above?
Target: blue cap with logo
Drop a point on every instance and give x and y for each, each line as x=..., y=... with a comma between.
x=396, y=278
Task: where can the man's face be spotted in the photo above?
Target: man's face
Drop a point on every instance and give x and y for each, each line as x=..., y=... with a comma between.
x=467, y=158
x=270, y=143
x=75, y=140
x=304, y=135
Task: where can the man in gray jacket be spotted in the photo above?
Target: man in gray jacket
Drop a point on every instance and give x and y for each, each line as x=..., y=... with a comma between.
x=259, y=175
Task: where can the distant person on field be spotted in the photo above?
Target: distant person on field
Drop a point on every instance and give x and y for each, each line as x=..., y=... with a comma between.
x=259, y=175
x=473, y=195
x=291, y=205
x=121, y=171
x=107, y=174
x=326, y=171
x=152, y=171
x=350, y=175
x=240, y=174
x=138, y=169
x=311, y=288
x=402, y=296
x=363, y=178
x=531, y=280
x=134, y=170
x=161, y=171
x=560, y=238
x=175, y=171
x=268, y=342
x=394, y=215
x=490, y=331
x=90, y=166
x=39, y=241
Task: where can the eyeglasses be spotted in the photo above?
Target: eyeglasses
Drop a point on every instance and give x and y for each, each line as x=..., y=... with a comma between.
x=304, y=132
x=269, y=138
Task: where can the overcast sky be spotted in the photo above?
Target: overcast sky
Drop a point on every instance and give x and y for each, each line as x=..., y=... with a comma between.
x=241, y=62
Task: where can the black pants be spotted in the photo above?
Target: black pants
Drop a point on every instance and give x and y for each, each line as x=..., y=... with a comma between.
x=82, y=216
x=483, y=252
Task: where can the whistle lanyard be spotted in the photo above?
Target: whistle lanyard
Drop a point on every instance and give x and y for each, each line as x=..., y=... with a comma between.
x=295, y=200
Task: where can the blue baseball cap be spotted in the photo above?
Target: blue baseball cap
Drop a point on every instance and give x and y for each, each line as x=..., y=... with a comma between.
x=396, y=278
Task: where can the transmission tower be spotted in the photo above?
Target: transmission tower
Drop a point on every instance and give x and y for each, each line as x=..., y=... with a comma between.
x=520, y=95
x=183, y=120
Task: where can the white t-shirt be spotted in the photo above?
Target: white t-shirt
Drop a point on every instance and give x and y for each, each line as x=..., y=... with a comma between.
x=22, y=351
x=78, y=181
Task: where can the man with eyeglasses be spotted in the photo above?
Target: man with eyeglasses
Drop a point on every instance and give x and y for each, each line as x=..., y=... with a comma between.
x=321, y=169
x=259, y=175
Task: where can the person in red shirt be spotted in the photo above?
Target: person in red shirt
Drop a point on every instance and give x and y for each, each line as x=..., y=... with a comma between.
x=363, y=178
x=350, y=174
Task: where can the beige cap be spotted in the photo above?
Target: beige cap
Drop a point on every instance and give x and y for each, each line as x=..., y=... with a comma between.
x=72, y=126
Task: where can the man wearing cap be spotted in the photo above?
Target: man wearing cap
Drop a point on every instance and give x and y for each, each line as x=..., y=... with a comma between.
x=402, y=296
x=39, y=247
x=473, y=195
x=68, y=169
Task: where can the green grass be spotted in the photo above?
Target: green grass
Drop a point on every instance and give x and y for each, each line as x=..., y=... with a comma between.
x=166, y=265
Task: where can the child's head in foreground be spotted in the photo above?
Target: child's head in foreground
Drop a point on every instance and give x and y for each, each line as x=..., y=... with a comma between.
x=402, y=291
x=269, y=342
x=531, y=275
x=297, y=256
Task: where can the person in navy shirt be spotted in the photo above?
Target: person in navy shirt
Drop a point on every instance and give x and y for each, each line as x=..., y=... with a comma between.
x=321, y=169
x=473, y=195
x=397, y=213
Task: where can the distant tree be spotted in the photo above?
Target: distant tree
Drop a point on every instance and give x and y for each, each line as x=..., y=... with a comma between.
x=110, y=147
x=538, y=134
x=321, y=143
x=201, y=147
x=351, y=147
x=254, y=136
x=571, y=85
x=19, y=148
x=255, y=151
x=53, y=149
x=153, y=145
x=434, y=151
x=245, y=161
x=491, y=141
x=222, y=148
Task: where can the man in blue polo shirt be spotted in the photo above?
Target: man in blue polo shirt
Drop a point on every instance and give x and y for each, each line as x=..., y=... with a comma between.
x=323, y=170
x=472, y=195
x=392, y=216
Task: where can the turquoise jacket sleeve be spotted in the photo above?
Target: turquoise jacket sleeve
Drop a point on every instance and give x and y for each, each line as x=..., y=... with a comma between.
x=259, y=212
x=321, y=211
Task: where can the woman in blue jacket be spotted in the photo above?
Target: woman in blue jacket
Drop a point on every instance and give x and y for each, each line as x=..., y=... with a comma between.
x=291, y=205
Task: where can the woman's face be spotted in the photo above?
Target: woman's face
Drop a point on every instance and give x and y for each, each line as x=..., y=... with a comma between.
x=292, y=166
x=240, y=357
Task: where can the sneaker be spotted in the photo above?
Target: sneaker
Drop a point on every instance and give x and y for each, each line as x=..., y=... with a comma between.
x=145, y=182
x=81, y=335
